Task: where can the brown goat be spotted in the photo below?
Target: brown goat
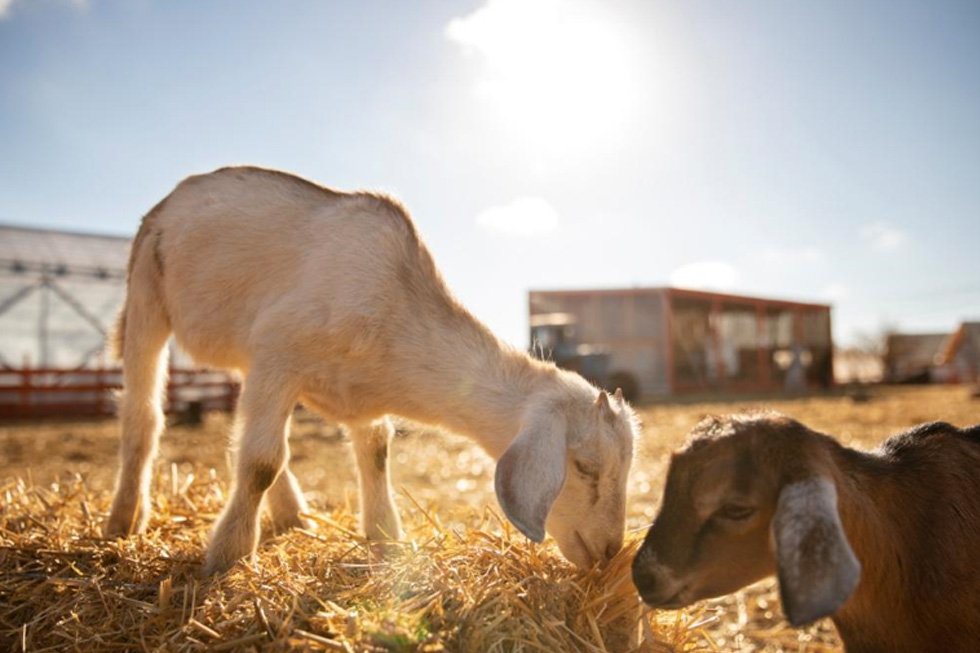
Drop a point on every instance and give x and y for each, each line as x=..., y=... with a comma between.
x=886, y=542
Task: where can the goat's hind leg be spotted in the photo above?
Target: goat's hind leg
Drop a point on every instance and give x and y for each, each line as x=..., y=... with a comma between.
x=285, y=503
x=378, y=514
x=264, y=413
x=140, y=415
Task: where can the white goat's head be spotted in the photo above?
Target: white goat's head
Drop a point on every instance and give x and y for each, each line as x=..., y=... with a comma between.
x=566, y=473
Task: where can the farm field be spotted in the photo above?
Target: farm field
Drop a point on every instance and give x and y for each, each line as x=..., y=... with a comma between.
x=463, y=581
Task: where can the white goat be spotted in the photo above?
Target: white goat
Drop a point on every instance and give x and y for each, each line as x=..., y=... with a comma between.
x=331, y=299
x=886, y=542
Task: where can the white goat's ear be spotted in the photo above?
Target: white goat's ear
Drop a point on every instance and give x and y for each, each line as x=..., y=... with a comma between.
x=619, y=396
x=530, y=475
x=818, y=570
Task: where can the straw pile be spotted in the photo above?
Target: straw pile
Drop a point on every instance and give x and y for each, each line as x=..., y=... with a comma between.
x=482, y=589
x=463, y=581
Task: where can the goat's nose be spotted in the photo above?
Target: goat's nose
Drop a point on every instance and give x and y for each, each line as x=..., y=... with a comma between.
x=657, y=585
x=645, y=579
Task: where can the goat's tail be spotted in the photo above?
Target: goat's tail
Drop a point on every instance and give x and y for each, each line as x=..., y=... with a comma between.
x=142, y=328
x=116, y=335
x=143, y=277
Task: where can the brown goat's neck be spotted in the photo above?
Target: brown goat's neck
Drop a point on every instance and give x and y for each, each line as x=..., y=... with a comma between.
x=877, y=513
x=910, y=513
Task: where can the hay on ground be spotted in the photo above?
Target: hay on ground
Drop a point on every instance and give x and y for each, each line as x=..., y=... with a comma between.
x=62, y=587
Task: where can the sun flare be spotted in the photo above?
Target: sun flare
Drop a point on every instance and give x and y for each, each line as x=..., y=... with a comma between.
x=557, y=72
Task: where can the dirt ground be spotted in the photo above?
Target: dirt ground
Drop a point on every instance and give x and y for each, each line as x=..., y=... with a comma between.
x=453, y=478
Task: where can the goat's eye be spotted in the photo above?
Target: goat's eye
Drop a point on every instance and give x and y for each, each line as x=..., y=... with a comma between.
x=735, y=512
x=586, y=469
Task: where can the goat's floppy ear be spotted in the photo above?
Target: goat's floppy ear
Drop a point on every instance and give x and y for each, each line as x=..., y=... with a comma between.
x=817, y=567
x=530, y=475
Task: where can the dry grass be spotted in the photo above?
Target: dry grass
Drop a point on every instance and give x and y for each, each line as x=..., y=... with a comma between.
x=479, y=589
x=463, y=580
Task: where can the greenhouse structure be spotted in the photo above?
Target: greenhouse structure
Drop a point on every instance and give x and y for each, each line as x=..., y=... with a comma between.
x=59, y=294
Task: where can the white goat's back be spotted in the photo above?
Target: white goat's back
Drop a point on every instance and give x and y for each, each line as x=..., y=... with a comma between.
x=249, y=255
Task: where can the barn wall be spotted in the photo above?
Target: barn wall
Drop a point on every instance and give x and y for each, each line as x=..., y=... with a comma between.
x=677, y=341
x=630, y=326
x=727, y=343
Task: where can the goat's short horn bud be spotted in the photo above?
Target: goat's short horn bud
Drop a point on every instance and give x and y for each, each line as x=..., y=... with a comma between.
x=602, y=401
x=619, y=395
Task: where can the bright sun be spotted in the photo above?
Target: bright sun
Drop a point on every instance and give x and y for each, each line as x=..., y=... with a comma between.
x=557, y=71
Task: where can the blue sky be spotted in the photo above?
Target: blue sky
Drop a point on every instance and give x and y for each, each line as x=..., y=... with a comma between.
x=823, y=151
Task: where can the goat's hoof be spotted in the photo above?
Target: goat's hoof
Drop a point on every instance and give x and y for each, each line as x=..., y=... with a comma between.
x=381, y=546
x=385, y=531
x=122, y=525
x=282, y=524
x=216, y=563
x=209, y=568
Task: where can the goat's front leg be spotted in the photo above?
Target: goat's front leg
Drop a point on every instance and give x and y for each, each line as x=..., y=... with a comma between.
x=265, y=408
x=379, y=517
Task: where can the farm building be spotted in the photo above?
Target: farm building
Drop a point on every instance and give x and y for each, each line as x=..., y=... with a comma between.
x=59, y=293
x=959, y=359
x=913, y=357
x=660, y=342
x=910, y=357
x=934, y=357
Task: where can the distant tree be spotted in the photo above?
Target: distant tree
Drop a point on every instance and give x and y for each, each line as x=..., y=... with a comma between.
x=874, y=341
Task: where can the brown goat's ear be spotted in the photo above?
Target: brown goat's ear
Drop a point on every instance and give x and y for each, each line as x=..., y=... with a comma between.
x=817, y=568
x=530, y=475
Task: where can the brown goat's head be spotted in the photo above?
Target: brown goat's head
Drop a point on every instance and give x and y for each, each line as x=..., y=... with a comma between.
x=749, y=496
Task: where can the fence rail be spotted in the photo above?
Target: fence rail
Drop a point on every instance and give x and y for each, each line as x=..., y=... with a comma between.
x=56, y=392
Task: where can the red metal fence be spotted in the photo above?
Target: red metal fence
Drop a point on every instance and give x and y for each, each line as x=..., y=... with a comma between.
x=49, y=392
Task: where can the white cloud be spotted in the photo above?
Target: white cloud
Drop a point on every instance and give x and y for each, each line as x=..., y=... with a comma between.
x=5, y=6
x=714, y=275
x=787, y=255
x=836, y=292
x=525, y=216
x=883, y=236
